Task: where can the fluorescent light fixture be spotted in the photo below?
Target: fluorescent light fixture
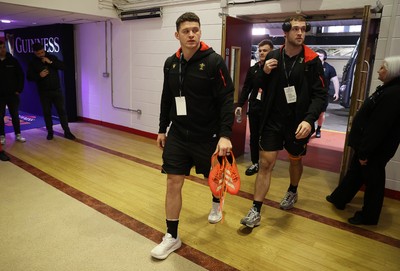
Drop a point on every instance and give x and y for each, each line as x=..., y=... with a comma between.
x=140, y=14
x=259, y=31
x=5, y=21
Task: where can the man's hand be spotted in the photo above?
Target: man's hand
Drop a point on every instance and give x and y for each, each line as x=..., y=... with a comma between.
x=363, y=162
x=335, y=97
x=46, y=60
x=161, y=140
x=303, y=130
x=224, y=146
x=44, y=73
x=238, y=111
x=269, y=65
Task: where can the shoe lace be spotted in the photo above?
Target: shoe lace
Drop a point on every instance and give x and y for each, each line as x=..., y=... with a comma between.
x=288, y=196
x=252, y=167
x=215, y=209
x=166, y=240
x=252, y=213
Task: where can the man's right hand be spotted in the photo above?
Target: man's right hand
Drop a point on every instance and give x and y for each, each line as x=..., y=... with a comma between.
x=44, y=73
x=238, y=111
x=161, y=140
x=269, y=65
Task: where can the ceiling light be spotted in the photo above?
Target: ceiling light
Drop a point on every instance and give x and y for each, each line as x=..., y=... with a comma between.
x=5, y=21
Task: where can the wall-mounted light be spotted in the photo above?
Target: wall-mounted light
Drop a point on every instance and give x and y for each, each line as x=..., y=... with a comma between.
x=5, y=21
x=140, y=14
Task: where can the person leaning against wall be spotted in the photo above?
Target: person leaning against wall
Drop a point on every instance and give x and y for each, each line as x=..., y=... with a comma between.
x=11, y=86
x=374, y=137
x=43, y=69
x=294, y=94
x=197, y=104
x=330, y=76
x=252, y=87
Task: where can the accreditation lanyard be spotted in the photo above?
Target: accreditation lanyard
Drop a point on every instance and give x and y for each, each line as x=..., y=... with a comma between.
x=290, y=91
x=181, y=75
x=287, y=74
x=181, y=101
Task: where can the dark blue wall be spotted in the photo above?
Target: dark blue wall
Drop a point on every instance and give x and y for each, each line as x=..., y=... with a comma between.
x=58, y=40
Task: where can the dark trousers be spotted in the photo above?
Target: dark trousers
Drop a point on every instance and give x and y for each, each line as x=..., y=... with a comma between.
x=13, y=104
x=254, y=125
x=373, y=175
x=49, y=98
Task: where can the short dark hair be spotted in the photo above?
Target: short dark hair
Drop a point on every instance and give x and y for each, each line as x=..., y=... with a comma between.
x=266, y=42
x=1, y=42
x=37, y=47
x=298, y=18
x=187, y=17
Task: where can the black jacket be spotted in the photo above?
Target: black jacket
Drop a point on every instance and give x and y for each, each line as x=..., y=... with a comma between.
x=250, y=87
x=11, y=76
x=52, y=81
x=375, y=131
x=311, y=92
x=208, y=90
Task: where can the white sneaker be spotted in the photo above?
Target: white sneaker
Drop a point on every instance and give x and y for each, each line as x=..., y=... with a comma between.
x=166, y=247
x=19, y=138
x=215, y=215
x=2, y=140
x=288, y=200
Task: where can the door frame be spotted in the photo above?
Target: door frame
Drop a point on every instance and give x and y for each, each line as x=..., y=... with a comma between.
x=362, y=77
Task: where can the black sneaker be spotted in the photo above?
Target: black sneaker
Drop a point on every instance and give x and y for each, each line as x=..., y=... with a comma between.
x=318, y=134
x=253, y=169
x=69, y=135
x=50, y=136
x=3, y=156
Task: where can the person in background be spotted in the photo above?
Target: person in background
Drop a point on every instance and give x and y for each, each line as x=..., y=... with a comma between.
x=11, y=86
x=252, y=87
x=197, y=105
x=294, y=94
x=43, y=70
x=3, y=155
x=374, y=136
x=330, y=76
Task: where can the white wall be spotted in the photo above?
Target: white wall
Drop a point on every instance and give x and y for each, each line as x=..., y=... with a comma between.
x=140, y=48
x=90, y=7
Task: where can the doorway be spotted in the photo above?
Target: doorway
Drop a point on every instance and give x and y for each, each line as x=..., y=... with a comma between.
x=325, y=153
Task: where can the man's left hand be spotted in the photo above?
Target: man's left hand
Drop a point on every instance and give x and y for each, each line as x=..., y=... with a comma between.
x=303, y=130
x=224, y=146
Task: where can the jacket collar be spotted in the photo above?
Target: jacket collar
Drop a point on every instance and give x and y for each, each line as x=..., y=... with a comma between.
x=308, y=53
x=203, y=47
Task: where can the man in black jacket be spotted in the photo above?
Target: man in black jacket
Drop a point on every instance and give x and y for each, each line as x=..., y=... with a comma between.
x=11, y=86
x=294, y=94
x=251, y=87
x=43, y=70
x=197, y=104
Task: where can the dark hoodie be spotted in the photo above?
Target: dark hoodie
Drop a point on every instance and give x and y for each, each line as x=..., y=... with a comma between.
x=52, y=81
x=309, y=85
x=11, y=76
x=208, y=90
x=375, y=131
